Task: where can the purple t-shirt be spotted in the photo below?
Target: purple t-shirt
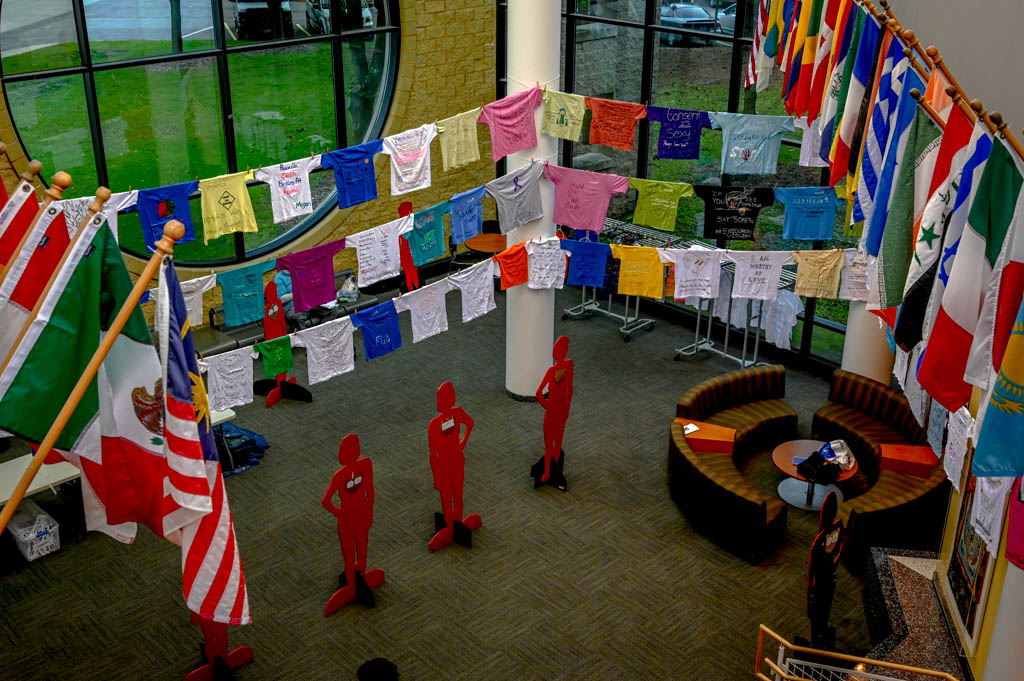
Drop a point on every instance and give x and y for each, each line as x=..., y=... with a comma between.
x=312, y=273
x=680, y=131
x=582, y=197
x=511, y=122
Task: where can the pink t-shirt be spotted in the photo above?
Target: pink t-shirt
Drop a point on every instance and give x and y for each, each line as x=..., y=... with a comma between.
x=582, y=197
x=511, y=122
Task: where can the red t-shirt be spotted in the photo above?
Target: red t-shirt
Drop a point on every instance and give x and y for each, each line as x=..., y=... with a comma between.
x=614, y=123
x=514, y=265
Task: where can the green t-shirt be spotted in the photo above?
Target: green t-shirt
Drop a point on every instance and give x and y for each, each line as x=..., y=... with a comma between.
x=277, y=356
x=563, y=115
x=657, y=202
x=426, y=240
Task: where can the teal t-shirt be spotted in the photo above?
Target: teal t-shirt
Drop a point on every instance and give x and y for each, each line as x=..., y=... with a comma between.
x=426, y=240
x=242, y=290
x=750, y=144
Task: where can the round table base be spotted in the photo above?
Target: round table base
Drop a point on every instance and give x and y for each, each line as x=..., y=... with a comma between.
x=796, y=493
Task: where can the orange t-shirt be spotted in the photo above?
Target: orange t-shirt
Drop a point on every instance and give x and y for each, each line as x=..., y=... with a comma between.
x=514, y=264
x=614, y=123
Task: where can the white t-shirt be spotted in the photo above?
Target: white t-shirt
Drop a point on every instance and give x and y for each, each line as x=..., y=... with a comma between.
x=289, y=187
x=427, y=307
x=228, y=379
x=758, y=273
x=696, y=271
x=378, y=251
x=477, y=286
x=853, y=280
x=987, y=510
x=410, y=158
x=779, y=318
x=810, y=144
x=192, y=291
x=546, y=263
x=329, y=351
x=76, y=209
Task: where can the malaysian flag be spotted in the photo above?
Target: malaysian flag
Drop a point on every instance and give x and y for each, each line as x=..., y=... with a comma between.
x=212, y=577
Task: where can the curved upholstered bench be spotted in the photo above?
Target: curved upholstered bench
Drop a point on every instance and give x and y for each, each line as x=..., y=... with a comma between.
x=708, y=487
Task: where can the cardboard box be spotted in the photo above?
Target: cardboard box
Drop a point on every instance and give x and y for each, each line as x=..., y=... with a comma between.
x=709, y=437
x=909, y=459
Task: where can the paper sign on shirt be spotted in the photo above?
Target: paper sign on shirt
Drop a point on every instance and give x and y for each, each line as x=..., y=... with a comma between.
x=957, y=431
x=853, y=282
x=937, y=417
x=987, y=510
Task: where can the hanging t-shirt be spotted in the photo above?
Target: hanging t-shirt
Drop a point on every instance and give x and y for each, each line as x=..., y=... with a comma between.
x=696, y=271
x=226, y=206
x=477, y=286
x=546, y=263
x=657, y=203
x=640, y=271
x=377, y=250
x=514, y=265
x=329, y=350
x=517, y=194
x=810, y=212
x=563, y=115
x=75, y=211
x=853, y=283
x=228, y=379
x=354, y=172
x=758, y=273
x=779, y=317
x=290, y=195
x=680, y=131
x=427, y=309
x=192, y=291
x=381, y=334
x=276, y=354
x=750, y=144
x=457, y=136
x=426, y=238
x=242, y=290
x=731, y=212
x=312, y=270
x=614, y=123
x=511, y=122
x=588, y=262
x=410, y=158
x=582, y=197
x=810, y=145
x=467, y=213
x=160, y=205
x=988, y=508
x=818, y=272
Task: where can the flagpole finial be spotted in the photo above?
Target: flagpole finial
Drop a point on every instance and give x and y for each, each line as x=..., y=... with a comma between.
x=102, y=194
x=34, y=168
x=58, y=185
x=173, y=231
x=978, y=107
x=997, y=120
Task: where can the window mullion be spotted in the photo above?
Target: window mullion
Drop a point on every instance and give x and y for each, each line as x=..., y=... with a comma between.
x=91, y=103
x=226, y=112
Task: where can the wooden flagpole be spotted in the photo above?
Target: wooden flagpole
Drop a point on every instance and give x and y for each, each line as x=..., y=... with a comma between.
x=95, y=208
x=173, y=231
x=60, y=182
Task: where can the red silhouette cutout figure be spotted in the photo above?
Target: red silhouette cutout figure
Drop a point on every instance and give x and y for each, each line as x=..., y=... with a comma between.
x=353, y=483
x=555, y=394
x=275, y=326
x=216, y=646
x=448, y=461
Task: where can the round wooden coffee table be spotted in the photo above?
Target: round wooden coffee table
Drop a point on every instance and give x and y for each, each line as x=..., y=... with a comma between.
x=796, y=490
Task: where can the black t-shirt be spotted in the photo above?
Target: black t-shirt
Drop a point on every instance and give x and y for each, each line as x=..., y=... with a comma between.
x=730, y=212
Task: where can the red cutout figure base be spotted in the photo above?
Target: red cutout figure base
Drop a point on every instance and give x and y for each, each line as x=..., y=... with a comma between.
x=353, y=483
x=275, y=326
x=554, y=394
x=215, y=650
x=448, y=461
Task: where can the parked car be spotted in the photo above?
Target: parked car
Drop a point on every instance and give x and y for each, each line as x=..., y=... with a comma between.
x=318, y=16
x=692, y=17
x=259, y=19
x=727, y=19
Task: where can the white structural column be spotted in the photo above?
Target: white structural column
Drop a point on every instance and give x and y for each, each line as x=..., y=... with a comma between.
x=865, y=350
x=534, y=41
x=1005, y=658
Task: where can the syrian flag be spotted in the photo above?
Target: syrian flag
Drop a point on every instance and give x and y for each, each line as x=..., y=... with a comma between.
x=942, y=371
x=823, y=58
x=863, y=68
x=930, y=229
x=16, y=219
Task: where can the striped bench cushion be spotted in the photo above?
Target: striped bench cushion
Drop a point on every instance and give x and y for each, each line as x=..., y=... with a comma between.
x=748, y=417
x=730, y=390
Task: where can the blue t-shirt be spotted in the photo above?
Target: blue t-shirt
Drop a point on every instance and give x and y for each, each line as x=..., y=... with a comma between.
x=242, y=290
x=750, y=144
x=467, y=214
x=381, y=334
x=426, y=240
x=154, y=213
x=587, y=263
x=810, y=212
x=283, y=279
x=587, y=235
x=680, y=131
x=353, y=172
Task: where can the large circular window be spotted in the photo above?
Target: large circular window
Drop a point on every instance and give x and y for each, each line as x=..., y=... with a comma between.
x=145, y=93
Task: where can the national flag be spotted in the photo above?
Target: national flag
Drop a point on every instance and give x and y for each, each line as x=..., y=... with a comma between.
x=759, y=67
x=799, y=83
x=852, y=26
x=16, y=219
x=776, y=25
x=929, y=230
x=863, y=69
x=822, y=69
x=212, y=576
x=936, y=96
x=791, y=13
x=990, y=215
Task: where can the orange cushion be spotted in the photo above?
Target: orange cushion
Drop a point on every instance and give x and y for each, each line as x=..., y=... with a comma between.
x=910, y=459
x=709, y=437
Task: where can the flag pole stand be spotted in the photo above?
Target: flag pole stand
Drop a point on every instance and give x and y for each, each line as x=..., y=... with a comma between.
x=218, y=663
x=173, y=231
x=274, y=326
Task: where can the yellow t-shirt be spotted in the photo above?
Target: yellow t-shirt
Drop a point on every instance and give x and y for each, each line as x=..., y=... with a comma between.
x=818, y=273
x=563, y=115
x=226, y=205
x=457, y=135
x=641, y=272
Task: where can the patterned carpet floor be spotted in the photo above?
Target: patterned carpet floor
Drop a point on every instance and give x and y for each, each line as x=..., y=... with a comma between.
x=607, y=581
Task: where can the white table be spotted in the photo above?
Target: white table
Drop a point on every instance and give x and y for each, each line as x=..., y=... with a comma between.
x=48, y=477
